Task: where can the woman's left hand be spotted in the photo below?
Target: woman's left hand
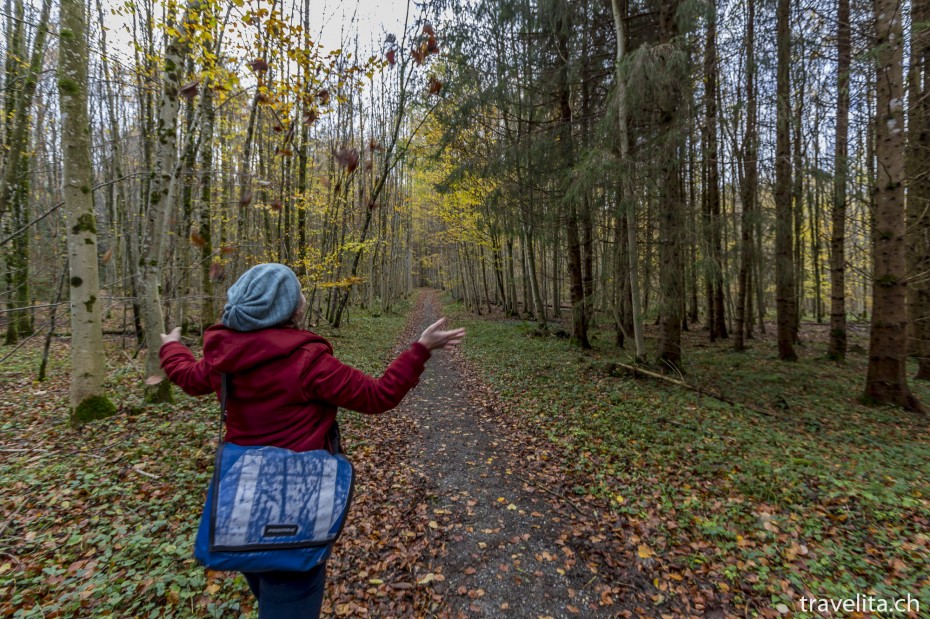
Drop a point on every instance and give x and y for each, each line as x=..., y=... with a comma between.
x=174, y=336
x=434, y=338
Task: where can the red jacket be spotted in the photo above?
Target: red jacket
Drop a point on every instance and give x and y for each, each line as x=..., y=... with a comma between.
x=286, y=384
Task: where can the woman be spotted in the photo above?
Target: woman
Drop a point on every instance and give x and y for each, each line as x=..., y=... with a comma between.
x=286, y=388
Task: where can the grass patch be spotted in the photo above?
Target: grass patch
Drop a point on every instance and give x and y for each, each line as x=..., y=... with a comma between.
x=825, y=498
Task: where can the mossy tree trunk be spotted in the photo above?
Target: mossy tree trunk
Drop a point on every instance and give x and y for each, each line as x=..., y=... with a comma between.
x=88, y=401
x=161, y=198
x=14, y=182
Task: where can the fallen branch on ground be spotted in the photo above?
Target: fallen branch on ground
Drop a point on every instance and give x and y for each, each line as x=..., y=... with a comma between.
x=696, y=389
x=552, y=492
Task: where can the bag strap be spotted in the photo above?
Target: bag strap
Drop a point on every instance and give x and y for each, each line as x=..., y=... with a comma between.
x=224, y=392
x=333, y=437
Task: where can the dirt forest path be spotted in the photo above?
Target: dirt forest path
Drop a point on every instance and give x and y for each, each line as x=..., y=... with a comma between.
x=505, y=538
x=465, y=510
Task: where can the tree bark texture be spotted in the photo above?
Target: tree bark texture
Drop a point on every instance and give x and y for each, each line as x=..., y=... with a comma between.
x=886, y=381
x=87, y=359
x=918, y=187
x=784, y=268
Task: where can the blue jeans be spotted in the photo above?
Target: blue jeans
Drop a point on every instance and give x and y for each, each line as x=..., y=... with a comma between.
x=289, y=595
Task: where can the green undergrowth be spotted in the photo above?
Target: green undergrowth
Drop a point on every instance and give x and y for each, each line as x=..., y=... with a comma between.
x=796, y=490
x=99, y=520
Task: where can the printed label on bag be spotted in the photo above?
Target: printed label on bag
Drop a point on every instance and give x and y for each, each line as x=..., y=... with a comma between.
x=280, y=530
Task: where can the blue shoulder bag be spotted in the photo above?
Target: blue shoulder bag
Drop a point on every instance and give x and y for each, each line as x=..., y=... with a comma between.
x=271, y=509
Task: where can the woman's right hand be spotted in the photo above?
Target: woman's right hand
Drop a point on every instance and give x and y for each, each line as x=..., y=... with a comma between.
x=434, y=338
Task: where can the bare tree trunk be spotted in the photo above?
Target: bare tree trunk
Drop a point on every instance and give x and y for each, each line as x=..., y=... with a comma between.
x=748, y=187
x=88, y=401
x=784, y=270
x=207, y=308
x=918, y=186
x=539, y=309
x=717, y=325
x=625, y=200
x=886, y=381
x=837, y=346
x=797, y=200
x=670, y=216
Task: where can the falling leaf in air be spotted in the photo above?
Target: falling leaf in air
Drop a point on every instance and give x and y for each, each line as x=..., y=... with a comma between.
x=432, y=46
x=277, y=128
x=284, y=152
x=428, y=29
x=374, y=145
x=258, y=65
x=246, y=199
x=189, y=90
x=417, y=55
x=310, y=116
x=107, y=256
x=391, y=56
x=216, y=271
x=347, y=158
x=228, y=249
x=323, y=96
x=197, y=239
x=276, y=205
x=434, y=85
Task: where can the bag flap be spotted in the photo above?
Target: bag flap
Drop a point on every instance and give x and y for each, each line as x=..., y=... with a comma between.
x=270, y=497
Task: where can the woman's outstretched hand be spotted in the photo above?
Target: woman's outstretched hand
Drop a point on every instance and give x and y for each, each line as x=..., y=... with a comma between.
x=434, y=338
x=174, y=336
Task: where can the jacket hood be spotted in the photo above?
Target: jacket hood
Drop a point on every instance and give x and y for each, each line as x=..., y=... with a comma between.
x=233, y=351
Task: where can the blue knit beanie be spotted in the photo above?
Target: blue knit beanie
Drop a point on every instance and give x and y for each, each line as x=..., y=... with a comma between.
x=266, y=295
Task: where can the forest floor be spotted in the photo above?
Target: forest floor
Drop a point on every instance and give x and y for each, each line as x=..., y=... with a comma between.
x=520, y=478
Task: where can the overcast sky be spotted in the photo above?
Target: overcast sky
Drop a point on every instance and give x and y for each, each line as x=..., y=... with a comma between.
x=333, y=20
x=332, y=23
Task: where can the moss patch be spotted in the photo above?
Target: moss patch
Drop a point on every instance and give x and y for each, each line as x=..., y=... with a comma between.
x=160, y=393
x=68, y=86
x=85, y=223
x=91, y=409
